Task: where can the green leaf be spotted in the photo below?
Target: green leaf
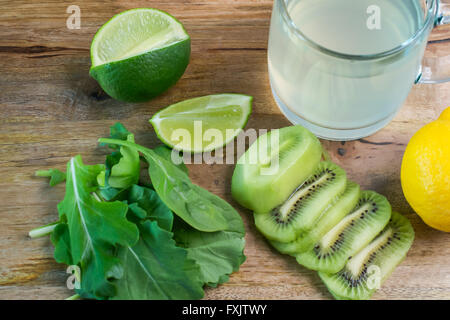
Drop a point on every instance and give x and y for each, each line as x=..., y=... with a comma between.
x=217, y=205
x=156, y=269
x=146, y=204
x=217, y=253
x=117, y=131
x=60, y=238
x=56, y=176
x=101, y=178
x=95, y=229
x=138, y=212
x=106, y=191
x=122, y=167
x=109, y=193
x=166, y=153
x=196, y=206
x=126, y=171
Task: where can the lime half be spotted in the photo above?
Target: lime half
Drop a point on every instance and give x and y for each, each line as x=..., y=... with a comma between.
x=203, y=124
x=139, y=53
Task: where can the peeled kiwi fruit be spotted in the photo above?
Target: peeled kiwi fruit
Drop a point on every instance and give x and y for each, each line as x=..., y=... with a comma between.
x=274, y=166
x=328, y=219
x=308, y=209
x=350, y=235
x=368, y=269
x=304, y=206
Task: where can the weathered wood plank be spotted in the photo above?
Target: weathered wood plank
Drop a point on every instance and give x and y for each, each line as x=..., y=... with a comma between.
x=50, y=110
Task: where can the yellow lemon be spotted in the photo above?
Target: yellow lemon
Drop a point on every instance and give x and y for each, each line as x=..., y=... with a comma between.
x=425, y=173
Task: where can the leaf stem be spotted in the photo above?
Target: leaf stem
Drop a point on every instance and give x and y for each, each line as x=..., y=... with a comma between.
x=43, y=230
x=74, y=297
x=97, y=196
x=145, y=151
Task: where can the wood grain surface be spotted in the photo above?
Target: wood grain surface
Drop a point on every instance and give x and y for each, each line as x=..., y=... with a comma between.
x=51, y=110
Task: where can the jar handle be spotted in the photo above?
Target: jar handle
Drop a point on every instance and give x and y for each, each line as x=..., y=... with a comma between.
x=437, y=69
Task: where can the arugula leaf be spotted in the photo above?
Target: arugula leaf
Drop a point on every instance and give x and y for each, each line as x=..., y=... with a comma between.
x=154, y=268
x=60, y=238
x=107, y=192
x=126, y=171
x=122, y=168
x=138, y=212
x=198, y=207
x=218, y=254
x=146, y=204
x=56, y=176
x=117, y=131
x=95, y=229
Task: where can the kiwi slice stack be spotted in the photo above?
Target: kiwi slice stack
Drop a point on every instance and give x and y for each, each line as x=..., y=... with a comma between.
x=307, y=208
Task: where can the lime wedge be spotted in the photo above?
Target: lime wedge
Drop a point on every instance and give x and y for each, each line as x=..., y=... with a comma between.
x=203, y=124
x=139, y=53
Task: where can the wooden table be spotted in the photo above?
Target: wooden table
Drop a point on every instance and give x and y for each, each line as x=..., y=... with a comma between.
x=51, y=110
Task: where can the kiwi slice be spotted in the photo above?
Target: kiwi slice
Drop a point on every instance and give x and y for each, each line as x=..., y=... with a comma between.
x=329, y=218
x=351, y=234
x=274, y=166
x=369, y=268
x=301, y=210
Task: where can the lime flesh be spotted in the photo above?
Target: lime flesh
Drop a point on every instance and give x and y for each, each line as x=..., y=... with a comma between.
x=203, y=124
x=139, y=53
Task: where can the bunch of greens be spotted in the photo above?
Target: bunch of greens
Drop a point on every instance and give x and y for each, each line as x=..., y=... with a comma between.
x=137, y=241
